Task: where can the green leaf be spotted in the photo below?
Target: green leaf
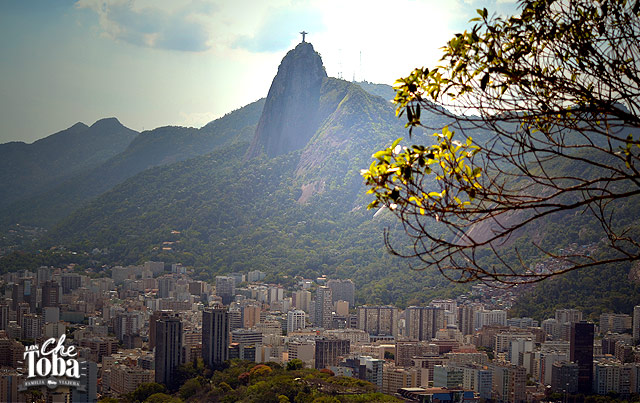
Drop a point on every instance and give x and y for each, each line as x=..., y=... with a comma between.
x=395, y=142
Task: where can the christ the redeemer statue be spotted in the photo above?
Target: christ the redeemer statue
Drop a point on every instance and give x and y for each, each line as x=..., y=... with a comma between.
x=303, y=35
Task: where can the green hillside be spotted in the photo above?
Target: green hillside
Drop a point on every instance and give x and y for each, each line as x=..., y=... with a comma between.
x=302, y=213
x=610, y=288
x=198, y=197
x=28, y=169
x=222, y=213
x=161, y=146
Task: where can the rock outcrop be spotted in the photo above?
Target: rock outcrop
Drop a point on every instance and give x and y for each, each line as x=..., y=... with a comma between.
x=290, y=115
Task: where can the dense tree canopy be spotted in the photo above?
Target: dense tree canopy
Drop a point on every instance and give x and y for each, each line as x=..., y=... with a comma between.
x=558, y=86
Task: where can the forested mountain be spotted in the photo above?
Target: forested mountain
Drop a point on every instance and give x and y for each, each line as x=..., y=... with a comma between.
x=594, y=290
x=27, y=169
x=244, y=193
x=381, y=90
x=613, y=287
x=161, y=146
x=299, y=212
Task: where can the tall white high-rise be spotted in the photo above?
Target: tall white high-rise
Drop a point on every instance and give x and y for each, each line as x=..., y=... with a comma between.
x=295, y=320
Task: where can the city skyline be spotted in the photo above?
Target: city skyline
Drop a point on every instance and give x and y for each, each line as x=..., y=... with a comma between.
x=163, y=318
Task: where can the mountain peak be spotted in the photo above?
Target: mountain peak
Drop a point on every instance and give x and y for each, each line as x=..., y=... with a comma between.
x=79, y=126
x=290, y=115
x=107, y=124
x=302, y=56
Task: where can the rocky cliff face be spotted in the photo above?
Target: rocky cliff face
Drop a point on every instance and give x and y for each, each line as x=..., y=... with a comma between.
x=290, y=115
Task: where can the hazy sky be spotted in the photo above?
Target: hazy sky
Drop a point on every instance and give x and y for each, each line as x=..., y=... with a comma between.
x=152, y=63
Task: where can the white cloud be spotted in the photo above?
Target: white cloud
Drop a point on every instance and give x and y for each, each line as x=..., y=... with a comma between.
x=157, y=24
